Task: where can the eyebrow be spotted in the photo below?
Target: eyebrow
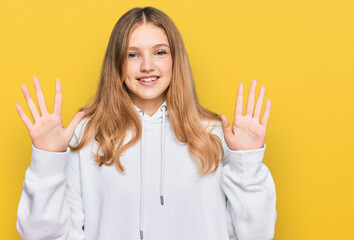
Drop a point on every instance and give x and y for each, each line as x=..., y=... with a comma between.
x=157, y=45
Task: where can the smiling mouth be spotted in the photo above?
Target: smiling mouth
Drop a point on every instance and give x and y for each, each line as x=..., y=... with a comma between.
x=152, y=79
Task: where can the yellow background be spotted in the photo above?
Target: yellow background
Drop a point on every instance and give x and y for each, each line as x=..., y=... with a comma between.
x=302, y=51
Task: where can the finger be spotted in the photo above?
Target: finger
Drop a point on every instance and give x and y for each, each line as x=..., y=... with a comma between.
x=24, y=117
x=239, y=102
x=58, y=98
x=266, y=114
x=250, y=101
x=257, y=111
x=30, y=104
x=73, y=123
x=40, y=98
x=226, y=127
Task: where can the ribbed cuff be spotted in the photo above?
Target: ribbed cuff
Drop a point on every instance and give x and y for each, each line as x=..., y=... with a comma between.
x=45, y=164
x=246, y=163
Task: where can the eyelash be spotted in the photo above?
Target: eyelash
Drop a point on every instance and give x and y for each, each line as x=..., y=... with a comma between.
x=158, y=52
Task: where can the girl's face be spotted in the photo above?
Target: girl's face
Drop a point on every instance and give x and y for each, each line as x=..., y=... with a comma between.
x=148, y=65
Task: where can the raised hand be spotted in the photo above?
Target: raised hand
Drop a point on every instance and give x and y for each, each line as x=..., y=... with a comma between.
x=47, y=132
x=247, y=133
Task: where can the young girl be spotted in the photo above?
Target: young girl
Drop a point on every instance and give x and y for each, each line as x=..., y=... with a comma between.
x=144, y=160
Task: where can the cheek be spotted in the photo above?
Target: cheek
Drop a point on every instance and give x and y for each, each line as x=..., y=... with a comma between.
x=130, y=71
x=166, y=66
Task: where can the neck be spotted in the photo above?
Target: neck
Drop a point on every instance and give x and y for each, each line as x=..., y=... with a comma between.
x=148, y=106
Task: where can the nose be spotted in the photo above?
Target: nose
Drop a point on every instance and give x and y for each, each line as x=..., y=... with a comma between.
x=147, y=64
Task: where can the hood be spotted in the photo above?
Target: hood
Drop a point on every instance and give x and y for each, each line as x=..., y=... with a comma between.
x=159, y=117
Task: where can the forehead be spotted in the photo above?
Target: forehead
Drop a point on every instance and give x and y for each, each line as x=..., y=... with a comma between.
x=147, y=35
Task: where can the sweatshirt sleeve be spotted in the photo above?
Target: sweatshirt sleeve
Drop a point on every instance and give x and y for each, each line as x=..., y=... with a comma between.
x=250, y=191
x=50, y=206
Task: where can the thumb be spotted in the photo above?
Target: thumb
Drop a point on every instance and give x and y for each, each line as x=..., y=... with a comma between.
x=73, y=123
x=226, y=127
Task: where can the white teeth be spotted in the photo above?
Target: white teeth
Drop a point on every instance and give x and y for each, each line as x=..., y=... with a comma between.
x=148, y=79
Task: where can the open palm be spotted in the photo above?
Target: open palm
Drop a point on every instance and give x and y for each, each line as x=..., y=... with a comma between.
x=247, y=133
x=47, y=132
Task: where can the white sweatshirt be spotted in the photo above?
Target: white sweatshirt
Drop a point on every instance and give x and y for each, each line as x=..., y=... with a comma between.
x=160, y=196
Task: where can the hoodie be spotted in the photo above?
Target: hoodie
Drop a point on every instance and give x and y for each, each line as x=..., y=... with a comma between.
x=159, y=197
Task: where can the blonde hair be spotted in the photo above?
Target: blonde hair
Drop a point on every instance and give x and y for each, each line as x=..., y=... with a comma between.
x=111, y=112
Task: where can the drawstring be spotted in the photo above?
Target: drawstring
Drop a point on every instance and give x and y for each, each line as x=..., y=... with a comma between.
x=162, y=179
x=141, y=113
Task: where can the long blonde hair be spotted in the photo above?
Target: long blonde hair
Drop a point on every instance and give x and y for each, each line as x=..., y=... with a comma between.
x=111, y=112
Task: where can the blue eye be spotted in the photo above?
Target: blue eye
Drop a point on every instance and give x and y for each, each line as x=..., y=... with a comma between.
x=130, y=54
x=161, y=52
